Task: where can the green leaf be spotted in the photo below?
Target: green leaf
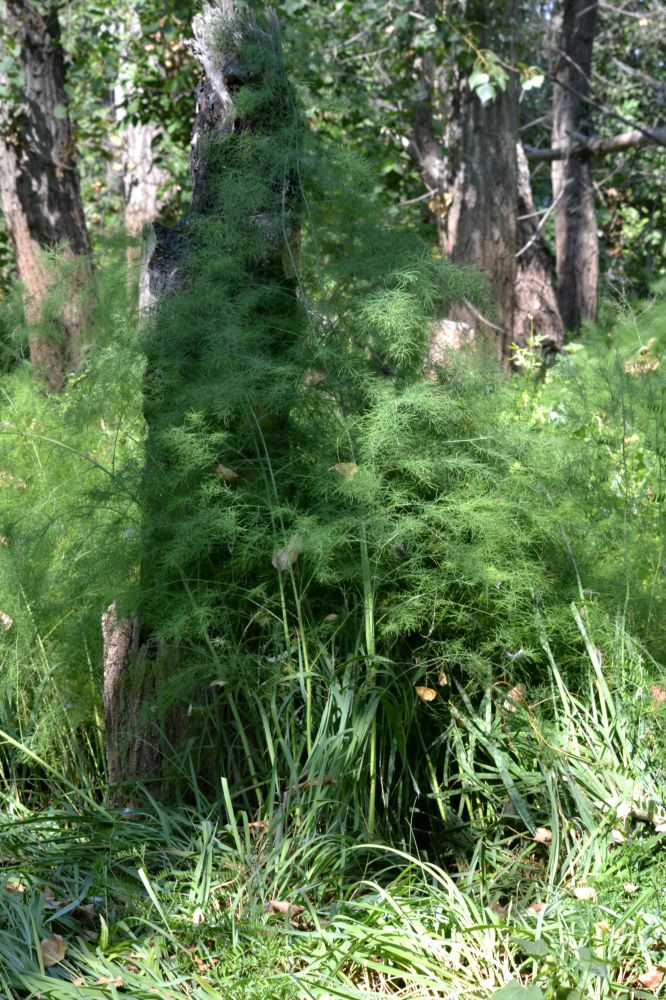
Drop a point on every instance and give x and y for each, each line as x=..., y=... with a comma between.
x=533, y=82
x=592, y=963
x=59, y=111
x=477, y=79
x=515, y=991
x=535, y=949
x=485, y=93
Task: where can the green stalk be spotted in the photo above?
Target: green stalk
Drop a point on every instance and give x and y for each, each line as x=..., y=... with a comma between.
x=304, y=660
x=369, y=625
x=304, y=664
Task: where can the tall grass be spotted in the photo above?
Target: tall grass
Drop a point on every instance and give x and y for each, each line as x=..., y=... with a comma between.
x=546, y=870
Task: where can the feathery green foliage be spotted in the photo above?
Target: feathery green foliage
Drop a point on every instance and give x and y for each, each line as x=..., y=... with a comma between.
x=354, y=571
x=68, y=471
x=315, y=489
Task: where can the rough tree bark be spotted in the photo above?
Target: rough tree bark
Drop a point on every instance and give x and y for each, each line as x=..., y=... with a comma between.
x=479, y=186
x=39, y=186
x=130, y=651
x=141, y=176
x=131, y=737
x=536, y=310
x=576, y=240
x=481, y=177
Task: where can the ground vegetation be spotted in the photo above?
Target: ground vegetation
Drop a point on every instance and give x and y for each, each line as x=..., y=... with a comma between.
x=331, y=653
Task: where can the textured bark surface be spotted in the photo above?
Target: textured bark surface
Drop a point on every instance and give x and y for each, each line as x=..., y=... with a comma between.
x=142, y=179
x=131, y=735
x=577, y=244
x=39, y=187
x=536, y=309
x=473, y=172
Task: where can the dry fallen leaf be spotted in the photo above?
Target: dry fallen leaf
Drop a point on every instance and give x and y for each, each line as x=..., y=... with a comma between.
x=536, y=907
x=623, y=809
x=288, y=555
x=345, y=469
x=425, y=693
x=282, y=906
x=630, y=888
x=658, y=697
x=50, y=902
x=54, y=949
x=5, y=621
x=15, y=886
x=651, y=979
x=515, y=698
x=198, y=917
x=542, y=835
x=616, y=836
x=313, y=782
x=443, y=679
x=639, y=365
x=109, y=981
x=225, y=473
x=585, y=893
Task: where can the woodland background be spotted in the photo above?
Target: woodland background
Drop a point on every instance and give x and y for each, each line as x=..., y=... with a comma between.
x=332, y=444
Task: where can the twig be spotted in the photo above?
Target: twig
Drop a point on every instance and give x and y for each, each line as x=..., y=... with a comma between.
x=413, y=201
x=481, y=318
x=542, y=221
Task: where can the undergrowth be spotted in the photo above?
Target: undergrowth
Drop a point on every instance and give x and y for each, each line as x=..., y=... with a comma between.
x=554, y=875
x=410, y=617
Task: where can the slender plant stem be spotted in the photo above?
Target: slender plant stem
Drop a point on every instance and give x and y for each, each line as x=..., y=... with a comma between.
x=369, y=624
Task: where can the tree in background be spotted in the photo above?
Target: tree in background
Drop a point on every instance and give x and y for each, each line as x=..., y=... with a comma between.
x=471, y=172
x=430, y=95
x=131, y=81
x=576, y=241
x=473, y=167
x=377, y=62
x=39, y=185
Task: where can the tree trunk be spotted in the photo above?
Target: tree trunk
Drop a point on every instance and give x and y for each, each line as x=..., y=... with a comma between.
x=576, y=240
x=146, y=665
x=473, y=172
x=141, y=176
x=132, y=734
x=482, y=177
x=536, y=310
x=39, y=188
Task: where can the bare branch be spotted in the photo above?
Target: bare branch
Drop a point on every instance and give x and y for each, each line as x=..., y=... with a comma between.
x=481, y=318
x=542, y=222
x=601, y=145
x=607, y=110
x=640, y=74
